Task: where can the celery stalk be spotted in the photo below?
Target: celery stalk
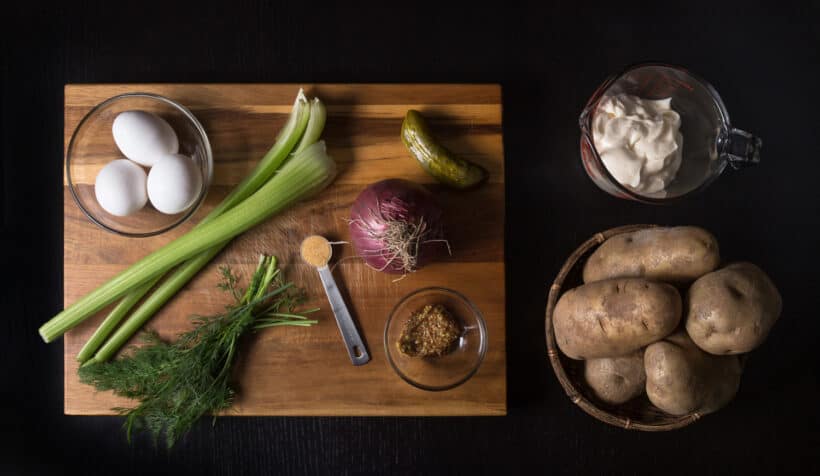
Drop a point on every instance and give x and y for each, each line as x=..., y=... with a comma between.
x=302, y=122
x=112, y=319
x=292, y=132
x=188, y=270
x=153, y=303
x=302, y=174
x=316, y=124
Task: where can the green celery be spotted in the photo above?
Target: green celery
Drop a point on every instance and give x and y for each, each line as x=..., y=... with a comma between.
x=299, y=123
x=112, y=319
x=305, y=173
x=188, y=270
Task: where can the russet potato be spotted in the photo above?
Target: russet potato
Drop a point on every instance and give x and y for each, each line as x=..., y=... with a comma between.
x=732, y=310
x=616, y=380
x=614, y=317
x=672, y=254
x=682, y=379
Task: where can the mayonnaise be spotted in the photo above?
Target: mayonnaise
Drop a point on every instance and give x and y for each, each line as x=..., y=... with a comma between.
x=638, y=140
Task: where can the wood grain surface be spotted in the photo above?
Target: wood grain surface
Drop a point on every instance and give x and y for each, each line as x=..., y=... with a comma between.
x=305, y=371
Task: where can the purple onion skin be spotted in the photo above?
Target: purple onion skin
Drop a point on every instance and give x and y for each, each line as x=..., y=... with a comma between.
x=400, y=200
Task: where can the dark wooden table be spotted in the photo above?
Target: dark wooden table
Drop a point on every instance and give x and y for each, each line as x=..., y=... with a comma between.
x=764, y=62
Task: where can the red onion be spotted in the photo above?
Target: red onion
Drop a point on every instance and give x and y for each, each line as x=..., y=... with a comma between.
x=396, y=226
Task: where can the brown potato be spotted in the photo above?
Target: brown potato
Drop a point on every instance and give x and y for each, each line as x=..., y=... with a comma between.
x=616, y=380
x=732, y=310
x=676, y=255
x=614, y=317
x=682, y=379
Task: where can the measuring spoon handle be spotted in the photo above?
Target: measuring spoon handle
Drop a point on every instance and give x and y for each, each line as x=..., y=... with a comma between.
x=353, y=341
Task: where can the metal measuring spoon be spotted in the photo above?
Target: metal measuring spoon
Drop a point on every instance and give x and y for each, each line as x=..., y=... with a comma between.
x=316, y=251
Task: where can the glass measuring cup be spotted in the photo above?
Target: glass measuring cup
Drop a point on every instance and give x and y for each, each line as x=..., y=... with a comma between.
x=710, y=143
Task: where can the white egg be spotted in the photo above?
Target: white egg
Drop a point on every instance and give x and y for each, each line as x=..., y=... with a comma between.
x=174, y=183
x=120, y=187
x=144, y=137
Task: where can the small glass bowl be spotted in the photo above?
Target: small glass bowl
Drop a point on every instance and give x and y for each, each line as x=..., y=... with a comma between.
x=92, y=146
x=709, y=140
x=447, y=371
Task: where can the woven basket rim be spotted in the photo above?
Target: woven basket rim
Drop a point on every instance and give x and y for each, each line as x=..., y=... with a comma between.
x=553, y=352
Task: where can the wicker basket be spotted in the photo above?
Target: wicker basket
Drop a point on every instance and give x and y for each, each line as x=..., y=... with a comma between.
x=637, y=414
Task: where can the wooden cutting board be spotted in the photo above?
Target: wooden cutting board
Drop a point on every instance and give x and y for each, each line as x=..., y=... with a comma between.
x=306, y=371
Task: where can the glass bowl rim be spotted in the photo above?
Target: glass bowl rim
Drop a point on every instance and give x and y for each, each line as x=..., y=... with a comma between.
x=209, y=162
x=482, y=333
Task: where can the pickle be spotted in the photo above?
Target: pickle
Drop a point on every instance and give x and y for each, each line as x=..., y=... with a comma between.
x=439, y=162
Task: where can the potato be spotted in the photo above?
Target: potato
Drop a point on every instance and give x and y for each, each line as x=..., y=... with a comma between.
x=616, y=380
x=682, y=379
x=732, y=310
x=676, y=255
x=614, y=317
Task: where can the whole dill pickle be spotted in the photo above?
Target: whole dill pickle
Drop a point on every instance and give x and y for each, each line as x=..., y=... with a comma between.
x=439, y=162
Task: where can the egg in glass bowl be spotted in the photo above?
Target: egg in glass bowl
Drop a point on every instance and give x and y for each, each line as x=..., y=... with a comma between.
x=139, y=164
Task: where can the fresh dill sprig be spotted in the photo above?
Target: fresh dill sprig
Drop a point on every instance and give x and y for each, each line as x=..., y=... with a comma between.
x=178, y=382
x=229, y=281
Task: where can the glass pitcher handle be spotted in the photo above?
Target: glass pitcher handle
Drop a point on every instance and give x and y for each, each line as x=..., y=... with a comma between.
x=740, y=148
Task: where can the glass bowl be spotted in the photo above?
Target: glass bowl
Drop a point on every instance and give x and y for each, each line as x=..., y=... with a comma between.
x=447, y=371
x=92, y=146
x=710, y=142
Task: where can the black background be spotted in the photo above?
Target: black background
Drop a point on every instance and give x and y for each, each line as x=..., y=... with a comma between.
x=549, y=59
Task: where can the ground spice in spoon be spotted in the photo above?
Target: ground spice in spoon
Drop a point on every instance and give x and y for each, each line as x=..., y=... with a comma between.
x=316, y=251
